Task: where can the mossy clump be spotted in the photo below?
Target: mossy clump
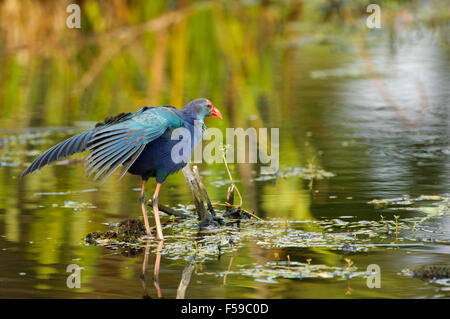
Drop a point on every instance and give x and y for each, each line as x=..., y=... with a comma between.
x=129, y=230
x=96, y=235
x=432, y=272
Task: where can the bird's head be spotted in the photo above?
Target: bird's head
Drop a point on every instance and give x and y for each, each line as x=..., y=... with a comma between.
x=200, y=108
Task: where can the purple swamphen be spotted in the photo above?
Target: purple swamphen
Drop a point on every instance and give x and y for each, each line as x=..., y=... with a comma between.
x=142, y=142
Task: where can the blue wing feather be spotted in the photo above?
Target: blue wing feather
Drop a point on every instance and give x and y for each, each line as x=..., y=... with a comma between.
x=111, y=162
x=104, y=158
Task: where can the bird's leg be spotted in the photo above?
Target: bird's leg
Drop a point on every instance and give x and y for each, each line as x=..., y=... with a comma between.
x=159, y=233
x=143, y=200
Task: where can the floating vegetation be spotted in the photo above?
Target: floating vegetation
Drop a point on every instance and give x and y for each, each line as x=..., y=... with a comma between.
x=379, y=203
x=6, y=164
x=428, y=204
x=294, y=270
x=184, y=239
x=307, y=173
x=66, y=193
x=76, y=205
x=421, y=227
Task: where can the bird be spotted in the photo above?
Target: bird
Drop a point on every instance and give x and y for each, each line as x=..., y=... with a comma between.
x=144, y=143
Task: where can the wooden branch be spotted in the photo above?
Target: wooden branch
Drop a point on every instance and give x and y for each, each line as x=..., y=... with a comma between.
x=203, y=215
x=169, y=211
x=203, y=189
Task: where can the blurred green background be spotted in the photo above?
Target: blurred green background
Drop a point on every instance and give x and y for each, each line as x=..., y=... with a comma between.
x=128, y=54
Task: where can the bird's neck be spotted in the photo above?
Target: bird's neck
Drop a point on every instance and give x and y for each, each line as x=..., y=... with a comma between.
x=195, y=125
x=191, y=117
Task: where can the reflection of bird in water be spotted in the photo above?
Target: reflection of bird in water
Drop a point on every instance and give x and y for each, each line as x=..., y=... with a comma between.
x=141, y=142
x=155, y=271
x=185, y=277
x=144, y=272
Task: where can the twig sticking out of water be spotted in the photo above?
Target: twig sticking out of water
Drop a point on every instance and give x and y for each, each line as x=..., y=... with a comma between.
x=384, y=222
x=224, y=151
x=349, y=264
x=396, y=226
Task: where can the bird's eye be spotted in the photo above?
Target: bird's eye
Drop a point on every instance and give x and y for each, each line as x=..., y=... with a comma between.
x=209, y=106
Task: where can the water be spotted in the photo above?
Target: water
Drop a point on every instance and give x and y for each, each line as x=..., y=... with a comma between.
x=333, y=115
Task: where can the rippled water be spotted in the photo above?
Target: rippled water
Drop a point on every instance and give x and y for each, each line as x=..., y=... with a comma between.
x=341, y=123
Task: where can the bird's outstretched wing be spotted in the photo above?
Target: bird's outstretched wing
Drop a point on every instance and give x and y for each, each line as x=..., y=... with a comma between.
x=116, y=141
x=123, y=142
x=75, y=144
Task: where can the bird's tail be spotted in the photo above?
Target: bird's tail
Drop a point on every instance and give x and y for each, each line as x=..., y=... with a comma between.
x=75, y=144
